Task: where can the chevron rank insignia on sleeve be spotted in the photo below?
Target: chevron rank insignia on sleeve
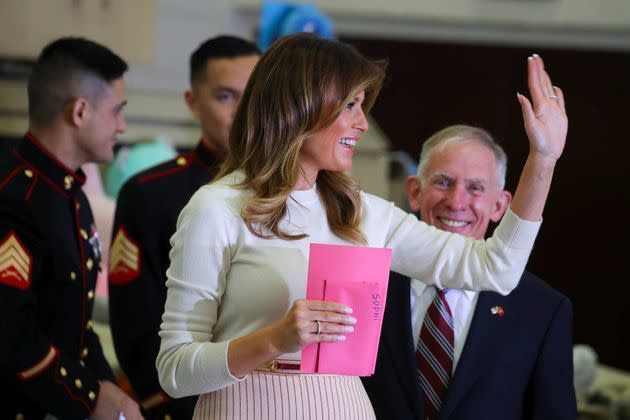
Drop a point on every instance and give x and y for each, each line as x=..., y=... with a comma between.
x=124, y=259
x=15, y=263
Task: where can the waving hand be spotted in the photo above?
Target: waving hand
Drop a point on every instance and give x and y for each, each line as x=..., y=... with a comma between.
x=546, y=121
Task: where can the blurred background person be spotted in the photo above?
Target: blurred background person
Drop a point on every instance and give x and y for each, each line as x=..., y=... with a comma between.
x=146, y=214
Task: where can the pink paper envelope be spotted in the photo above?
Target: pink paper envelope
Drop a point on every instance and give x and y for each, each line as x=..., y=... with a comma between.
x=330, y=268
x=357, y=354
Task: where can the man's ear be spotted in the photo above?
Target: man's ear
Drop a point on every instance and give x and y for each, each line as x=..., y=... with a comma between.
x=191, y=101
x=414, y=191
x=502, y=204
x=78, y=112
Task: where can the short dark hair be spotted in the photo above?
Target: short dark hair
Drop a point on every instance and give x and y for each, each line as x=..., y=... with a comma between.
x=68, y=68
x=223, y=46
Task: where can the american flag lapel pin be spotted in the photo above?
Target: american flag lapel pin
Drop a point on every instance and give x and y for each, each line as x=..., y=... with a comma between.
x=497, y=310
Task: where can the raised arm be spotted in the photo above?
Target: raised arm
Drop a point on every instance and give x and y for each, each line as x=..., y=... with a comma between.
x=546, y=126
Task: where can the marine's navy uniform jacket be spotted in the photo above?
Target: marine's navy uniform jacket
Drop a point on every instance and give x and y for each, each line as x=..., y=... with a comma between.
x=50, y=358
x=146, y=216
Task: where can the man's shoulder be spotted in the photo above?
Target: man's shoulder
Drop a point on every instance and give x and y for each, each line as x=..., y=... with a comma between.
x=178, y=177
x=18, y=181
x=21, y=208
x=155, y=176
x=534, y=292
x=14, y=175
x=534, y=285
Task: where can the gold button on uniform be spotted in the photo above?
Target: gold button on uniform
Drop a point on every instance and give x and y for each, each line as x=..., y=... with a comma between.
x=73, y=276
x=181, y=161
x=68, y=180
x=84, y=353
x=90, y=294
x=78, y=383
x=28, y=173
x=88, y=326
x=63, y=371
x=84, y=234
x=19, y=416
x=78, y=206
x=167, y=417
x=91, y=395
x=89, y=263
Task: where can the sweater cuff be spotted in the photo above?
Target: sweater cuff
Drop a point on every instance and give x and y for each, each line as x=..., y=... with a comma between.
x=227, y=366
x=517, y=233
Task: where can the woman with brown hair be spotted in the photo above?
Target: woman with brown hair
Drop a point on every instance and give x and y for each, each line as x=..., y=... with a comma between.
x=235, y=317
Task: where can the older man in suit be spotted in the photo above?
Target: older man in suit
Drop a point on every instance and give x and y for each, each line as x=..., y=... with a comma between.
x=451, y=354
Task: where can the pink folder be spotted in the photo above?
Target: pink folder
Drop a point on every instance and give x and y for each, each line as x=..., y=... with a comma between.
x=357, y=277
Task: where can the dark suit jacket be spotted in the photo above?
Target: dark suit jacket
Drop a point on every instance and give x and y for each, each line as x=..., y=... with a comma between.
x=515, y=366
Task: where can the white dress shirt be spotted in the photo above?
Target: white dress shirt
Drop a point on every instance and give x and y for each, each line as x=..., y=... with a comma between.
x=461, y=302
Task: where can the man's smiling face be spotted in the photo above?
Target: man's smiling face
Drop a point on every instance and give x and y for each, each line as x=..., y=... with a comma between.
x=459, y=189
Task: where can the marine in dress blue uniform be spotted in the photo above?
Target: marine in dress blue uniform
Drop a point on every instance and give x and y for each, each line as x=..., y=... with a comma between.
x=51, y=361
x=49, y=259
x=146, y=215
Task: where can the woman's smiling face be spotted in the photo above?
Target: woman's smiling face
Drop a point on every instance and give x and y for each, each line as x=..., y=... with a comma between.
x=333, y=147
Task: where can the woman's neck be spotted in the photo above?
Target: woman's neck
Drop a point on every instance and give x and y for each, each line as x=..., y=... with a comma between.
x=306, y=180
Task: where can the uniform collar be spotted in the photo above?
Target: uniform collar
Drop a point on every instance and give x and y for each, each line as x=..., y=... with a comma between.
x=205, y=156
x=48, y=166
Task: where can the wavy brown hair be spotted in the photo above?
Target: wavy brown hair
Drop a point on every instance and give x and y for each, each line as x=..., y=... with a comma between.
x=299, y=87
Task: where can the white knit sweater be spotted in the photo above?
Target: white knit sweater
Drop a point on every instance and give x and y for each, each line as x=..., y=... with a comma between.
x=224, y=282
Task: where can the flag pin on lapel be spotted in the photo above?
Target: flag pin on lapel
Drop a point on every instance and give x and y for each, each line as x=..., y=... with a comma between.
x=497, y=310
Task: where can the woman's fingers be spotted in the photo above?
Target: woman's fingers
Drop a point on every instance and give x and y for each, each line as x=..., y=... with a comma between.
x=545, y=116
x=526, y=107
x=329, y=338
x=322, y=327
x=534, y=67
x=324, y=321
x=328, y=332
x=540, y=86
x=329, y=312
x=324, y=305
x=548, y=85
x=560, y=97
x=545, y=82
x=332, y=317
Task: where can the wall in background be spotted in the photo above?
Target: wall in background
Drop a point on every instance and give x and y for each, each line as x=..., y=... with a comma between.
x=181, y=27
x=603, y=24
x=580, y=246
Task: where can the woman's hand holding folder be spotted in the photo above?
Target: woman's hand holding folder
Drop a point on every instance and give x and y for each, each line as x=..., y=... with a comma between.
x=311, y=321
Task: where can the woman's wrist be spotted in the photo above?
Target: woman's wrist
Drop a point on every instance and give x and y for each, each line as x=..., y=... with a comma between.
x=249, y=352
x=270, y=341
x=542, y=160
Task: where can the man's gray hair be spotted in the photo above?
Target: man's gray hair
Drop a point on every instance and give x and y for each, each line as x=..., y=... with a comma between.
x=456, y=134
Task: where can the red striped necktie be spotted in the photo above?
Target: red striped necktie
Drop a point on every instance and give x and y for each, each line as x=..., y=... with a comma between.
x=434, y=353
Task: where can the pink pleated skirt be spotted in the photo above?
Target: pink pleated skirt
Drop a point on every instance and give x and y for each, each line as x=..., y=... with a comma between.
x=272, y=395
